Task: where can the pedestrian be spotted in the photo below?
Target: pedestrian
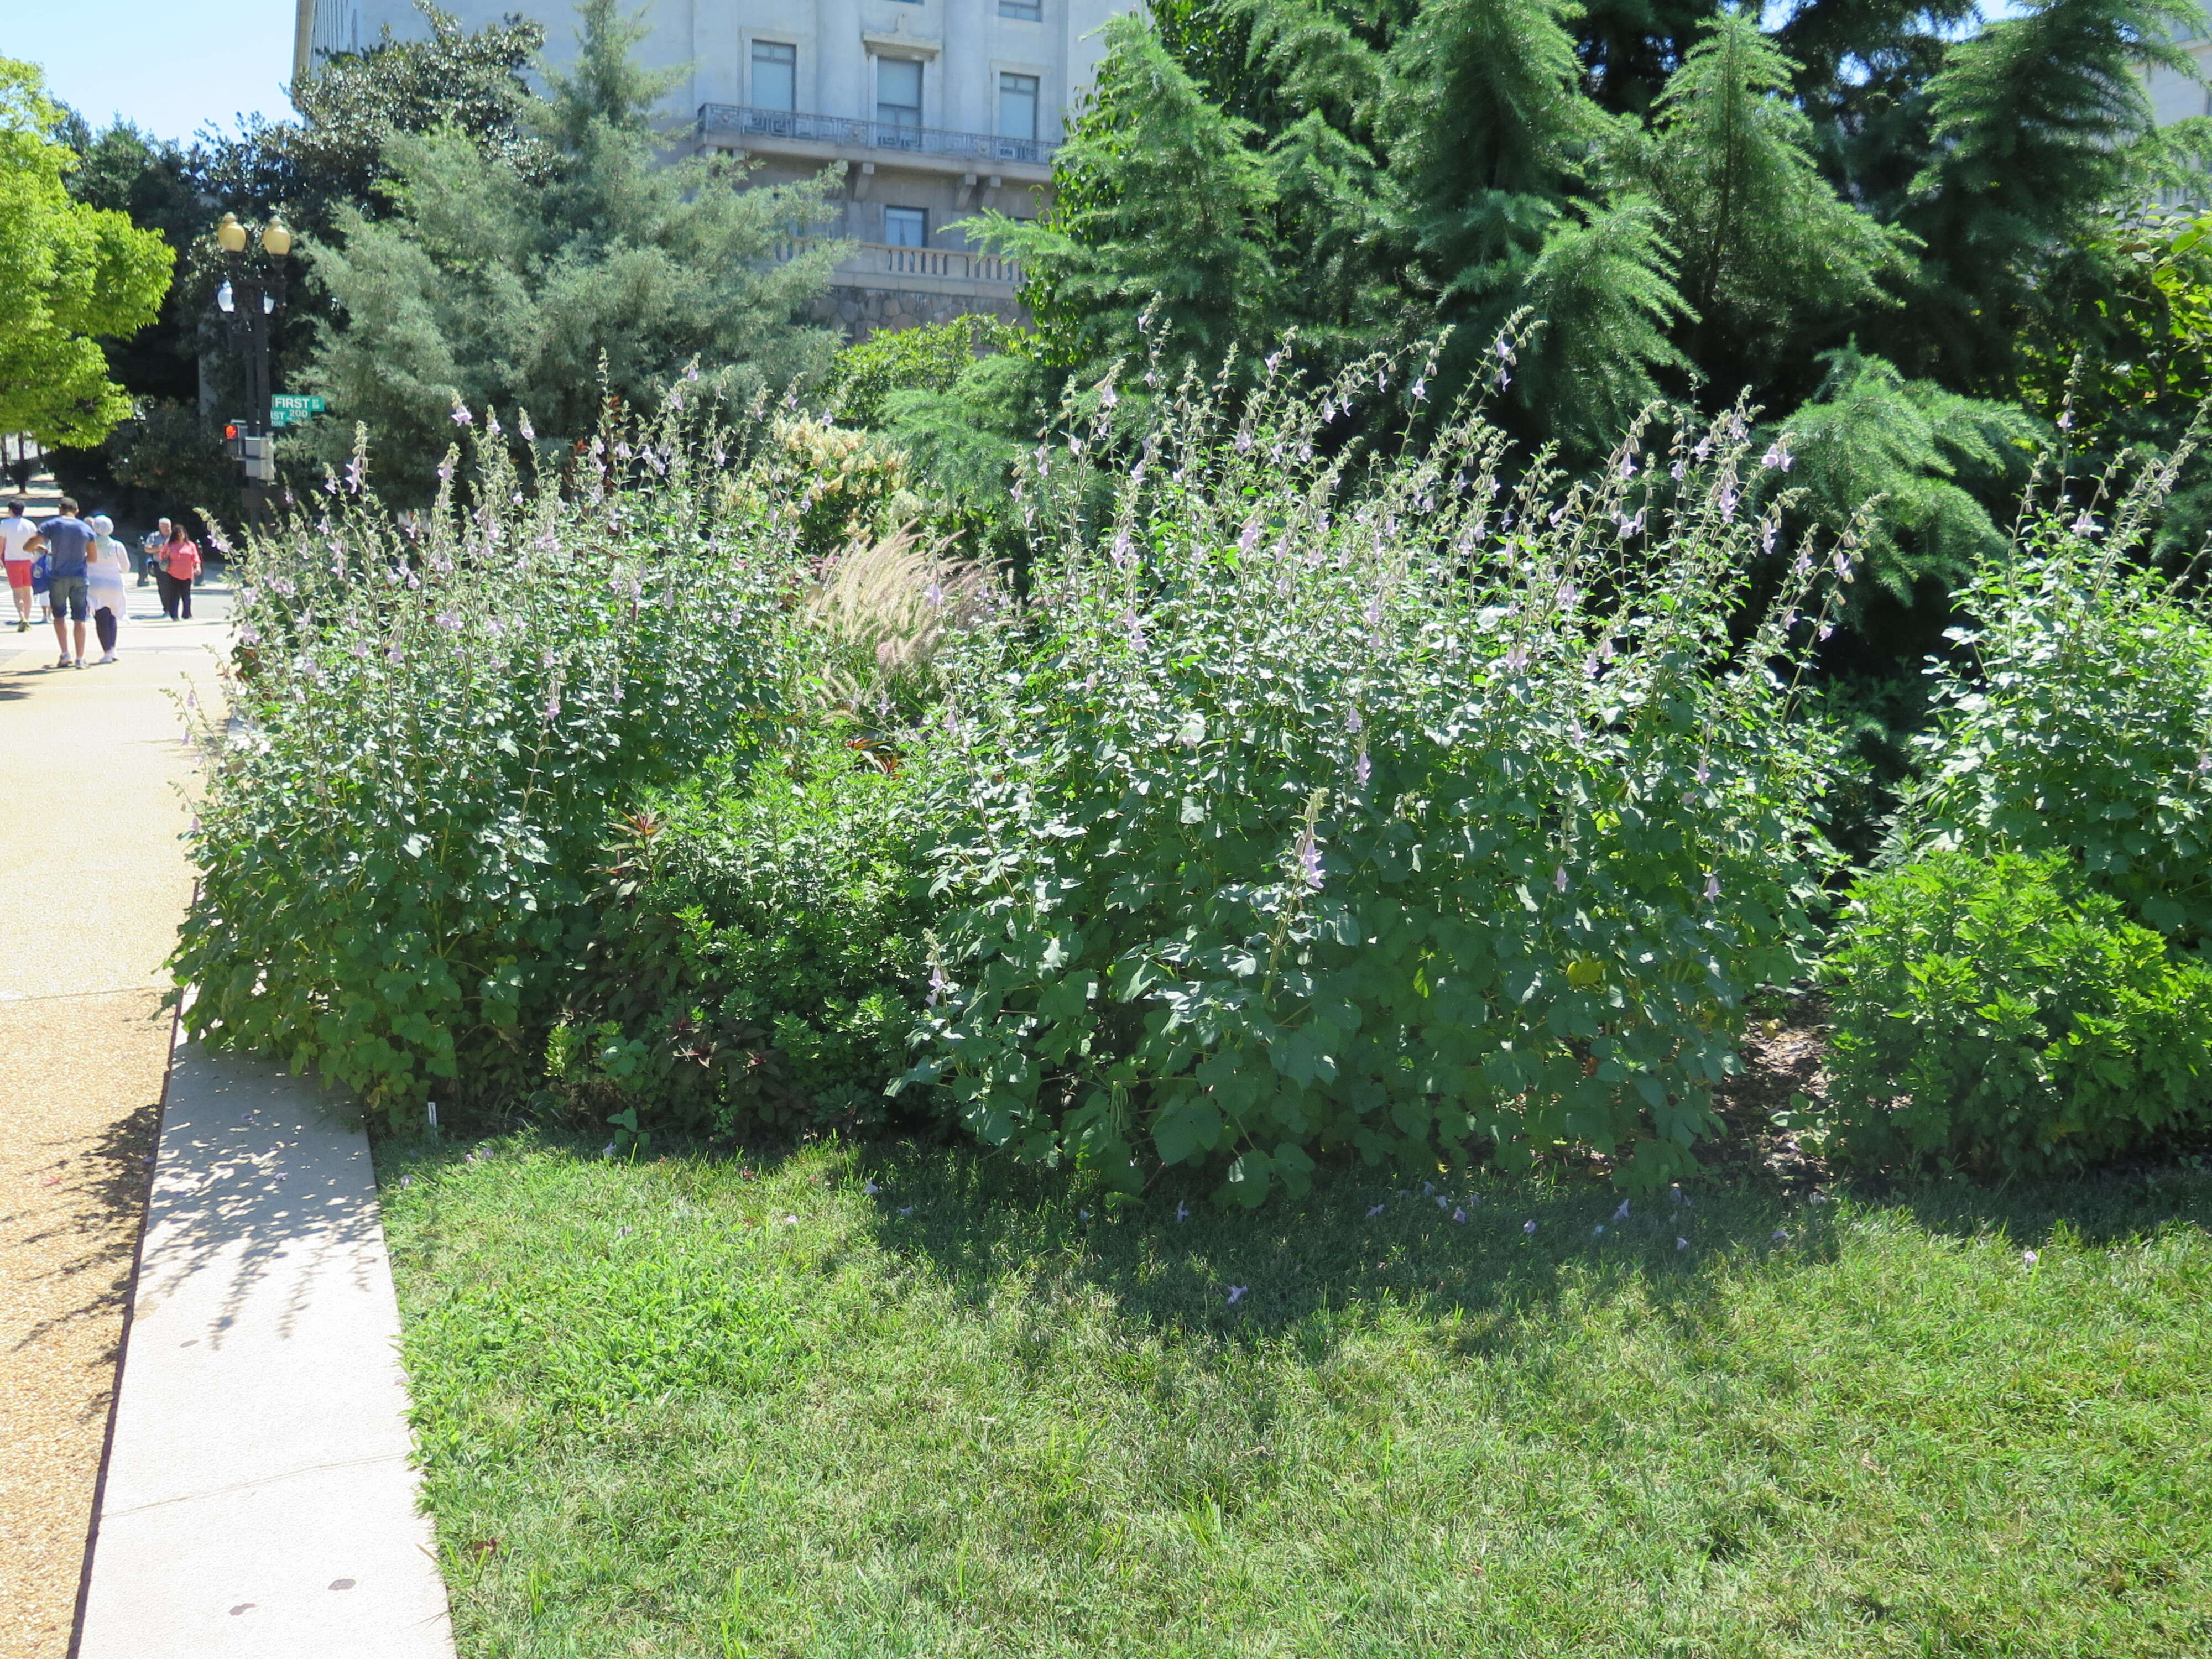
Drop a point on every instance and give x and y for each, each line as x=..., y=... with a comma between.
x=175, y=567
x=105, y=567
x=150, y=548
x=16, y=534
x=67, y=541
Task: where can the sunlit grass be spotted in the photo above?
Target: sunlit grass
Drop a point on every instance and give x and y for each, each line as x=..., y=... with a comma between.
x=686, y=1407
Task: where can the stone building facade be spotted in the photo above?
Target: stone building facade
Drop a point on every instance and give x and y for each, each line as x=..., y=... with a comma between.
x=927, y=111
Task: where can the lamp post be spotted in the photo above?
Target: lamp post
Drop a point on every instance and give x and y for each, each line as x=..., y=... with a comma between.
x=251, y=298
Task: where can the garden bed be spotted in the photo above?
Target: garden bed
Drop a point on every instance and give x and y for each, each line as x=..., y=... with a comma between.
x=896, y=1399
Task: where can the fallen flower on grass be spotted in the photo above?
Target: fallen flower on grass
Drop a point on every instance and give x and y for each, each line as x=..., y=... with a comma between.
x=908, y=1210
x=1460, y=1216
x=1598, y=1231
x=607, y=1150
x=1374, y=1211
x=1621, y=1214
x=1182, y=1211
x=791, y=1221
x=1083, y=1215
x=1681, y=1242
x=2028, y=1258
x=1237, y=1294
x=870, y=1188
x=1530, y=1228
x=1780, y=1235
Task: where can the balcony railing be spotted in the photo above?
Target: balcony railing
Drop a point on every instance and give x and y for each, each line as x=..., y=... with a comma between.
x=951, y=263
x=750, y=123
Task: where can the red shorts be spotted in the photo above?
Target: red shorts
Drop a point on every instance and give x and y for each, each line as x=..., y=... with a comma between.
x=19, y=573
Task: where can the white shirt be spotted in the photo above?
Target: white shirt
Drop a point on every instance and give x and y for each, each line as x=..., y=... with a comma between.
x=14, y=532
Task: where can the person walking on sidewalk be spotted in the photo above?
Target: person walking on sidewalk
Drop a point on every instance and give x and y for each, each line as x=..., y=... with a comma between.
x=16, y=534
x=105, y=567
x=150, y=549
x=68, y=543
x=176, y=566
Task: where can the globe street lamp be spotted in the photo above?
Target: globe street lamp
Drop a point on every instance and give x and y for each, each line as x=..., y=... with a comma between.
x=251, y=298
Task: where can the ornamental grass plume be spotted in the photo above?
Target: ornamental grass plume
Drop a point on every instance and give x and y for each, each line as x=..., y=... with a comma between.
x=882, y=611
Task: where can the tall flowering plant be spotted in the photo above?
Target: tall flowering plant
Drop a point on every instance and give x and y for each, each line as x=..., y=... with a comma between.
x=432, y=718
x=1330, y=801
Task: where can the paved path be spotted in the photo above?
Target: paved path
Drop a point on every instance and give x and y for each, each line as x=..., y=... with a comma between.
x=260, y=1500
x=94, y=882
x=257, y=1497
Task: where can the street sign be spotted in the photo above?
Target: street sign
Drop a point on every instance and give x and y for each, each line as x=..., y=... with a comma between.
x=288, y=409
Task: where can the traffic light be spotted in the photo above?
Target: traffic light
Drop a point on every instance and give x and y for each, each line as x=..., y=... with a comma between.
x=257, y=450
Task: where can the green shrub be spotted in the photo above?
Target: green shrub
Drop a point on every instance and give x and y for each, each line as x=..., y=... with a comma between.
x=1323, y=805
x=2078, y=717
x=2002, y=1014
x=434, y=718
x=760, y=956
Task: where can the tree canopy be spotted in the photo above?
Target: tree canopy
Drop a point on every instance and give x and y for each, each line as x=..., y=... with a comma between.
x=69, y=272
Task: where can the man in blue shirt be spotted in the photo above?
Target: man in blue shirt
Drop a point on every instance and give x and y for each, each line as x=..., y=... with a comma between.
x=66, y=541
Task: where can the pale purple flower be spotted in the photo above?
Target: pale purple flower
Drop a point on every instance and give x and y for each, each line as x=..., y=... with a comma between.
x=461, y=416
x=1728, y=497
x=1680, y=471
x=522, y=425
x=1530, y=1228
x=358, y=651
x=1703, y=447
x=1777, y=456
x=1182, y=1211
x=1823, y=631
x=870, y=1188
x=1627, y=467
x=2066, y=421
x=1120, y=553
x=906, y=1209
x=1251, y=538
x=938, y=983
x=1352, y=722
x=1460, y=1216
x=445, y=472
x=1273, y=357
x=1418, y=391
x=1630, y=525
x=1712, y=885
x=1621, y=1214
x=2084, y=525
x=1598, y=1231
x=1309, y=862
x=1767, y=533
x=691, y=370
x=1779, y=1235
x=2028, y=1258
x=1237, y=1294
x=1362, y=770
x=1704, y=773
x=1243, y=443
x=1516, y=659
x=1373, y=1211
x=492, y=427
x=1681, y=1242
x=1559, y=879
x=1109, y=397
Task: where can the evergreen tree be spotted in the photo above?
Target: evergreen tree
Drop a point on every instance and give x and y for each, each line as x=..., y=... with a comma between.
x=1160, y=201
x=1765, y=246
x=511, y=281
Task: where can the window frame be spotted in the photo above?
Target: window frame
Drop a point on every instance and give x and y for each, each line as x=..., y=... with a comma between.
x=920, y=216
x=753, y=61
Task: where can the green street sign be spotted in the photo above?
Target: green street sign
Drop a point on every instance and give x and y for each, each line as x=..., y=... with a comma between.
x=286, y=408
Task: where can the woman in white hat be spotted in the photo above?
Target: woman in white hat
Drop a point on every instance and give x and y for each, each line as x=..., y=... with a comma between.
x=106, y=562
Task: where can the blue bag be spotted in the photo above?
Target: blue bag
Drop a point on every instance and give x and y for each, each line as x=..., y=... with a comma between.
x=42, y=573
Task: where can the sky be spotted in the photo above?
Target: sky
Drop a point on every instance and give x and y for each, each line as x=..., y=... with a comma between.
x=170, y=66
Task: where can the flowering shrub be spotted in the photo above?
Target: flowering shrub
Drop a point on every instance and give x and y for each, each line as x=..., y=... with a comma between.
x=2003, y=1014
x=1324, y=802
x=434, y=719
x=2079, y=717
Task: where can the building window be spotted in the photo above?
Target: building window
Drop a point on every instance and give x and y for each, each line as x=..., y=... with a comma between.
x=906, y=227
x=1028, y=11
x=898, y=91
x=776, y=75
x=1017, y=102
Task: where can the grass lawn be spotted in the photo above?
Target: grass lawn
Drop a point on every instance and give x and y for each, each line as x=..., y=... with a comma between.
x=689, y=1408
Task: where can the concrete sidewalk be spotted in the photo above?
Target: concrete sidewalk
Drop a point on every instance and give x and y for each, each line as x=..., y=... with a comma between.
x=259, y=1497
